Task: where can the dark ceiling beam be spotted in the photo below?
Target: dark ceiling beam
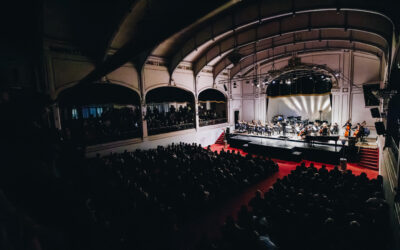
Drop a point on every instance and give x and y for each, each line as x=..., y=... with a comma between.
x=247, y=49
x=203, y=59
x=280, y=13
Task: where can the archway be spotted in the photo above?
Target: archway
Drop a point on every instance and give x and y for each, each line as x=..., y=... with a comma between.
x=169, y=109
x=98, y=113
x=212, y=107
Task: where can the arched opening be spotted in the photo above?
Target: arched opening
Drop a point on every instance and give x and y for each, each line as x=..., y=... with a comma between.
x=169, y=109
x=98, y=113
x=212, y=107
x=300, y=95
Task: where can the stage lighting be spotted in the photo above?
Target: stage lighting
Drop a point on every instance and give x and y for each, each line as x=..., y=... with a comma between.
x=273, y=82
x=337, y=74
x=322, y=76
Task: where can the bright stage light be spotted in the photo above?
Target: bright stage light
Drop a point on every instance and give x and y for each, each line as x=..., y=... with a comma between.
x=288, y=103
x=326, y=104
x=304, y=101
x=312, y=105
x=297, y=103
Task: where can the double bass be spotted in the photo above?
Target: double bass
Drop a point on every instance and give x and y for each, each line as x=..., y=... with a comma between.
x=348, y=128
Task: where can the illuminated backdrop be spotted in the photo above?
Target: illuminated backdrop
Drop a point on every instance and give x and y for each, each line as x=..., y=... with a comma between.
x=306, y=106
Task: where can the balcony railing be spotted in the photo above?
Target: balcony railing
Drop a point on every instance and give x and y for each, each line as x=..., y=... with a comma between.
x=171, y=128
x=212, y=122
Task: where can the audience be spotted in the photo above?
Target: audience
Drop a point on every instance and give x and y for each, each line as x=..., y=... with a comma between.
x=209, y=117
x=114, y=124
x=148, y=194
x=312, y=209
x=173, y=120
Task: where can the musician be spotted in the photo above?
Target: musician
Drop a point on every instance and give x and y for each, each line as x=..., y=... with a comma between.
x=360, y=130
x=259, y=127
x=315, y=127
x=305, y=131
x=335, y=129
x=297, y=128
x=347, y=126
x=269, y=128
x=284, y=127
x=324, y=131
x=279, y=127
x=252, y=127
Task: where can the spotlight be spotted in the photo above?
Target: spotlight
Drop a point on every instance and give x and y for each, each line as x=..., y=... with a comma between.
x=337, y=74
x=322, y=76
x=273, y=82
x=311, y=78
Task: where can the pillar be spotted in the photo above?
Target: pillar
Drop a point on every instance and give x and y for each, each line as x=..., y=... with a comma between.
x=196, y=110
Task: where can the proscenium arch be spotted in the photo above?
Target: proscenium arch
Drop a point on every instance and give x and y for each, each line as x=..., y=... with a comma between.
x=349, y=22
x=295, y=38
x=313, y=68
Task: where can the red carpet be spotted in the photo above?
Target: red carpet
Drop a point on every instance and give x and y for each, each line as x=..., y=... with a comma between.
x=354, y=167
x=211, y=222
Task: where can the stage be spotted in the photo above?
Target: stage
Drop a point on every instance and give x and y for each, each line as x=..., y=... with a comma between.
x=291, y=149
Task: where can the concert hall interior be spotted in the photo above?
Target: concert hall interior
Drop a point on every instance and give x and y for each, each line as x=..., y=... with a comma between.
x=200, y=125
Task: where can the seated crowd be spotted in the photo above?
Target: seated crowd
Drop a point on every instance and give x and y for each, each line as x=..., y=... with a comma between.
x=114, y=124
x=311, y=209
x=142, y=198
x=208, y=117
x=173, y=120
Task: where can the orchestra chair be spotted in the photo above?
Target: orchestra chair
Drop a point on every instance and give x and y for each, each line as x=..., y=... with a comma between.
x=367, y=132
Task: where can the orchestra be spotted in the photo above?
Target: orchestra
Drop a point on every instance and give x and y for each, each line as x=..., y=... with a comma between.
x=282, y=126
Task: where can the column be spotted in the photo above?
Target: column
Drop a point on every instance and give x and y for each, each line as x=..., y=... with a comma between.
x=196, y=110
x=144, y=122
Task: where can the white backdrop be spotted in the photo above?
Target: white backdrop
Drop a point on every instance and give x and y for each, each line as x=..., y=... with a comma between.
x=306, y=106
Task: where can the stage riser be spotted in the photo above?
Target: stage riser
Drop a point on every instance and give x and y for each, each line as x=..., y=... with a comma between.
x=279, y=150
